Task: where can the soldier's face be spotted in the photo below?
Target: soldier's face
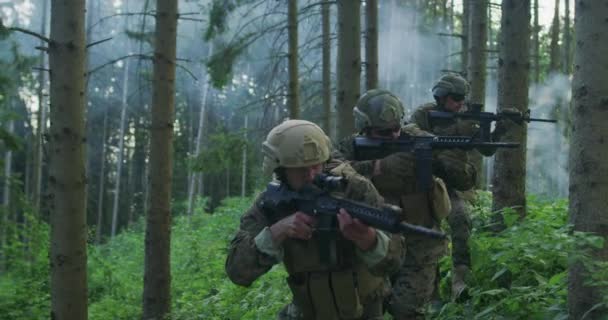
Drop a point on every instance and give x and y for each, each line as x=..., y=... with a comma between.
x=299, y=177
x=454, y=103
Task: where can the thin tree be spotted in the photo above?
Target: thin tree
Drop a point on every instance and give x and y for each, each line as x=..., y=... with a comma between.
x=326, y=67
x=102, y=179
x=588, y=165
x=41, y=114
x=476, y=66
x=6, y=201
x=157, y=273
x=465, y=35
x=293, y=96
x=567, y=65
x=244, y=159
x=121, y=137
x=348, y=64
x=554, y=51
x=199, y=137
x=536, y=54
x=371, y=44
x=67, y=177
x=509, y=177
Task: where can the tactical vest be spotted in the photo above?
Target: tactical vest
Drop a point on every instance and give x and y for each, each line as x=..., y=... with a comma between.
x=325, y=277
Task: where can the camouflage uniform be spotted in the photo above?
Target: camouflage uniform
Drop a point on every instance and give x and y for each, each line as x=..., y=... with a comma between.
x=459, y=220
x=412, y=285
x=348, y=286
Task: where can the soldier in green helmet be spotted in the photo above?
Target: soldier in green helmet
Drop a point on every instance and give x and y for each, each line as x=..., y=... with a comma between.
x=449, y=93
x=379, y=114
x=347, y=285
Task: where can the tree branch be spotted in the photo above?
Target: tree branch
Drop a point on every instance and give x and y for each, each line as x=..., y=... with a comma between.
x=98, y=42
x=141, y=56
x=31, y=33
x=187, y=70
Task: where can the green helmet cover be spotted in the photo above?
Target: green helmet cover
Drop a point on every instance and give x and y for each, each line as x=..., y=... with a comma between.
x=378, y=108
x=450, y=84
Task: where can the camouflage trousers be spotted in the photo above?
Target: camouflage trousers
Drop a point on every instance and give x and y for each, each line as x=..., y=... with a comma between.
x=413, y=284
x=460, y=226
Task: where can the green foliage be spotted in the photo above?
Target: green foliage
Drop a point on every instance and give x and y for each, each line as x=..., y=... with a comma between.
x=24, y=287
x=218, y=16
x=520, y=273
x=146, y=36
x=221, y=62
x=223, y=151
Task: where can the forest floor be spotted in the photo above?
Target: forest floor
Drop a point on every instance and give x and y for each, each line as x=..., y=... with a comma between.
x=519, y=273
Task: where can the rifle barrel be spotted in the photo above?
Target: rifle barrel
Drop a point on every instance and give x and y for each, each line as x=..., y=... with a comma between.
x=542, y=120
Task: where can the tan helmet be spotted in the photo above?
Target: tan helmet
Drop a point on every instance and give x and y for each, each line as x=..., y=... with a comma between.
x=451, y=83
x=293, y=144
x=378, y=108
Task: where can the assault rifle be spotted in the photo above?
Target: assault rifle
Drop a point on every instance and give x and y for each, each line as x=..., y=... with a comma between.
x=485, y=118
x=366, y=148
x=316, y=201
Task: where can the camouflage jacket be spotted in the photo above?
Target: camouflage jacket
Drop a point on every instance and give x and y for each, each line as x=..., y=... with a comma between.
x=246, y=262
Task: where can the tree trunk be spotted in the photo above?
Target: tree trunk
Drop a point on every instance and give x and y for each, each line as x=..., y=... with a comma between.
x=536, y=57
x=349, y=64
x=244, y=173
x=141, y=134
x=371, y=44
x=6, y=201
x=326, y=34
x=199, y=136
x=567, y=65
x=67, y=177
x=293, y=99
x=157, y=274
x=121, y=142
x=465, y=35
x=554, y=46
x=102, y=179
x=588, y=152
x=41, y=127
x=509, y=180
x=8, y=159
x=476, y=68
x=391, y=29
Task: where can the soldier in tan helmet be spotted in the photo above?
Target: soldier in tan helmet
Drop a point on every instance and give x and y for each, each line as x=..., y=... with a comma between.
x=348, y=285
x=379, y=114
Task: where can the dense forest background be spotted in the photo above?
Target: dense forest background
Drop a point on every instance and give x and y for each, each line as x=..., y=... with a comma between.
x=239, y=70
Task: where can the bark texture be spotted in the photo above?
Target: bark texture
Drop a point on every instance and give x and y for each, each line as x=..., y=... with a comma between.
x=157, y=274
x=67, y=177
x=349, y=64
x=588, y=149
x=509, y=178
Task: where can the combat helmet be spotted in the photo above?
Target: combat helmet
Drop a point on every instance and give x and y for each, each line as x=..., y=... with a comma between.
x=378, y=108
x=450, y=84
x=293, y=144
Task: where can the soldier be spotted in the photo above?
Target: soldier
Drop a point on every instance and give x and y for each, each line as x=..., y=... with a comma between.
x=378, y=114
x=349, y=284
x=450, y=92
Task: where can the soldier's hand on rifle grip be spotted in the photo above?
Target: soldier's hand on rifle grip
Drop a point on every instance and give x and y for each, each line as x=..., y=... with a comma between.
x=354, y=230
x=298, y=225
